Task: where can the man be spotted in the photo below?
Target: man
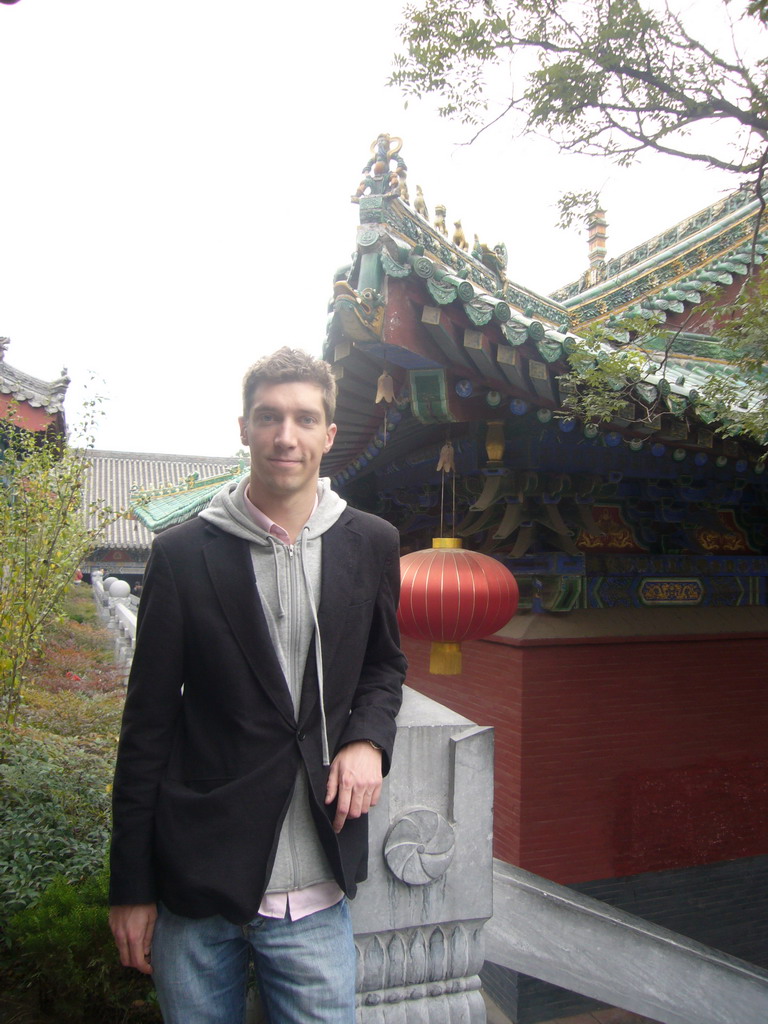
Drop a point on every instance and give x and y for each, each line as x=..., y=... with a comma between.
x=259, y=719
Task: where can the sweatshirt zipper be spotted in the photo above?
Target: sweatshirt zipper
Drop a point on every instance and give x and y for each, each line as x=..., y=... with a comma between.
x=292, y=574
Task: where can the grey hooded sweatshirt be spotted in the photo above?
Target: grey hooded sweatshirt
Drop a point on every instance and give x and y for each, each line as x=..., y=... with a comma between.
x=288, y=581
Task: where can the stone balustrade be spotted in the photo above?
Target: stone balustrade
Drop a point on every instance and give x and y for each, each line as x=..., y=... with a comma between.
x=117, y=610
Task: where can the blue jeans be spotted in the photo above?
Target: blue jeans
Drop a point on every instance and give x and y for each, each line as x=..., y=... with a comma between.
x=305, y=968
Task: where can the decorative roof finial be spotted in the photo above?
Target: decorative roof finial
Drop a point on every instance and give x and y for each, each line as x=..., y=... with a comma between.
x=381, y=179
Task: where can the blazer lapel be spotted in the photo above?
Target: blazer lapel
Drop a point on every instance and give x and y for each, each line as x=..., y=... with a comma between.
x=341, y=554
x=341, y=550
x=229, y=565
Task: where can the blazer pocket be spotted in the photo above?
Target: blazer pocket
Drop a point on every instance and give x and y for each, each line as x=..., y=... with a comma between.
x=208, y=821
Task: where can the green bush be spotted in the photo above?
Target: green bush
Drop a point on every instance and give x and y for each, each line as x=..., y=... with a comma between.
x=54, y=814
x=56, y=765
x=62, y=948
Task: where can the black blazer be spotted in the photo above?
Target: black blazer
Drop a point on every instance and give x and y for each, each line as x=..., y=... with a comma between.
x=210, y=747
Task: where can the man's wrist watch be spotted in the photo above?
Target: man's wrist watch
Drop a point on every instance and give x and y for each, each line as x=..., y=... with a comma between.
x=374, y=745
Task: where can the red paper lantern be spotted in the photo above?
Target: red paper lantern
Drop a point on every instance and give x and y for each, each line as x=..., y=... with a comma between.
x=448, y=595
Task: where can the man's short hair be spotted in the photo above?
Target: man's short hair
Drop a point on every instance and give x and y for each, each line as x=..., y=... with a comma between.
x=291, y=364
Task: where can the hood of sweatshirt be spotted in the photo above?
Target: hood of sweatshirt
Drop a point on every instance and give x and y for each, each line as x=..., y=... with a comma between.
x=227, y=511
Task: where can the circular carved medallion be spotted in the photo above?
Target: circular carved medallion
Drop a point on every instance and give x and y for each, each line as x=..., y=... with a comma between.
x=419, y=846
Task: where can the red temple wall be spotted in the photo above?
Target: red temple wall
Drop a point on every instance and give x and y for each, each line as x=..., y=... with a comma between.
x=619, y=757
x=25, y=415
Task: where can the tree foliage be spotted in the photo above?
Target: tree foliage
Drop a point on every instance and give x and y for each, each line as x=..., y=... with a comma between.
x=43, y=538
x=607, y=77
x=740, y=402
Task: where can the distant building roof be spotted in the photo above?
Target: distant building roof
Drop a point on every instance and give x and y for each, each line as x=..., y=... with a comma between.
x=118, y=479
x=40, y=404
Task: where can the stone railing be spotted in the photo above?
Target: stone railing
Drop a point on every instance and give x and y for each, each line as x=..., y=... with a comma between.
x=117, y=611
x=436, y=906
x=581, y=944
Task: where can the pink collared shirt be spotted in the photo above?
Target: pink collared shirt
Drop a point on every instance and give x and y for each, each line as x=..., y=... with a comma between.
x=297, y=903
x=300, y=903
x=267, y=524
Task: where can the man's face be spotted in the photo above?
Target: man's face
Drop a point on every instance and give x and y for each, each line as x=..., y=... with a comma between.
x=287, y=435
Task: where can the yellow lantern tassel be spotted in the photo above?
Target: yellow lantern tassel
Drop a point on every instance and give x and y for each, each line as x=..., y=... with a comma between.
x=445, y=659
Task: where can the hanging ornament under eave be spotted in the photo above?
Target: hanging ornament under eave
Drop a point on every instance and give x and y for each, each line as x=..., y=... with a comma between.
x=385, y=392
x=447, y=461
x=448, y=595
x=385, y=388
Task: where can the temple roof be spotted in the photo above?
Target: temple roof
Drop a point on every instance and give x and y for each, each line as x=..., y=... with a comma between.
x=442, y=361
x=418, y=301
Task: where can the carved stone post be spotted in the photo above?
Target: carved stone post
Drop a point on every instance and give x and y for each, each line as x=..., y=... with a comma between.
x=418, y=919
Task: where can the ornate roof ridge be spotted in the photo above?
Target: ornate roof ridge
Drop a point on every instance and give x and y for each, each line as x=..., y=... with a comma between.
x=23, y=387
x=724, y=216
x=191, y=482
x=413, y=237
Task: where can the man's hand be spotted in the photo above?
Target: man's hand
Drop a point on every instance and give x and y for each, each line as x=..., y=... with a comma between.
x=133, y=927
x=355, y=779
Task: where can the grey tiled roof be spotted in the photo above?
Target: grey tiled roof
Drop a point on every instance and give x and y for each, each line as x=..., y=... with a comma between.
x=115, y=476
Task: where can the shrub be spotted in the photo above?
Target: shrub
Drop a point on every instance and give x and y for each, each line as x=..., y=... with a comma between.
x=62, y=948
x=80, y=605
x=54, y=813
x=56, y=767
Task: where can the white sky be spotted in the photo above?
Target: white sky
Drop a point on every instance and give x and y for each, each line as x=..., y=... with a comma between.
x=176, y=180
